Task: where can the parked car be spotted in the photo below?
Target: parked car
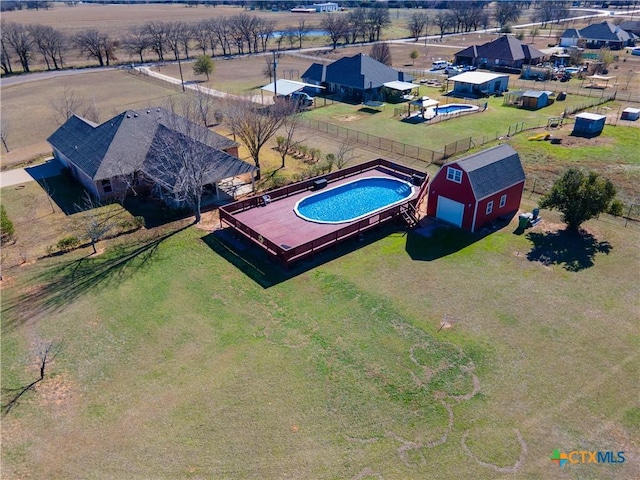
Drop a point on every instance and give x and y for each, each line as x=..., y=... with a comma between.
x=468, y=68
x=440, y=64
x=302, y=98
x=450, y=71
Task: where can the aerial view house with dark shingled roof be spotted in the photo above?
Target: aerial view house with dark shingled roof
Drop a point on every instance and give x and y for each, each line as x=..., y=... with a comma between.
x=127, y=150
x=503, y=52
x=360, y=77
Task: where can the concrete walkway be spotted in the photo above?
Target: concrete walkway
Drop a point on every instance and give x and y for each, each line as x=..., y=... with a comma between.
x=18, y=176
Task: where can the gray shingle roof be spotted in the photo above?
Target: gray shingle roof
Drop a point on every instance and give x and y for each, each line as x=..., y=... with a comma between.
x=122, y=144
x=504, y=48
x=492, y=170
x=570, y=33
x=360, y=71
x=605, y=31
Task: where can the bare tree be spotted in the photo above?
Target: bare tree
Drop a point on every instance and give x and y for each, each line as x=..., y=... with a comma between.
x=345, y=154
x=93, y=221
x=67, y=103
x=269, y=69
x=381, y=52
x=336, y=26
x=96, y=45
x=5, y=53
x=507, y=12
x=444, y=21
x=136, y=42
x=357, y=25
x=287, y=142
x=416, y=24
x=51, y=43
x=255, y=125
x=301, y=31
x=20, y=40
x=265, y=31
x=5, y=130
x=157, y=32
x=377, y=20
x=46, y=354
x=183, y=161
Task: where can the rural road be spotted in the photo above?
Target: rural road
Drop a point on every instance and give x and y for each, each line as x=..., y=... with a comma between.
x=32, y=77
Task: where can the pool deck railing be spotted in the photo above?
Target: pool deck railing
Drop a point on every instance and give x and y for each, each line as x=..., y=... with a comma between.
x=289, y=253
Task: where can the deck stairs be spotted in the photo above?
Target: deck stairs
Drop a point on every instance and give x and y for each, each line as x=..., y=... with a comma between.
x=409, y=217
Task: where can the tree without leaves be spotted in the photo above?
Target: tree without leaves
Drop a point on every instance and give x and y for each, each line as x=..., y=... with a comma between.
x=46, y=354
x=335, y=25
x=67, y=103
x=288, y=143
x=183, y=160
x=157, y=32
x=255, y=125
x=579, y=197
x=5, y=130
x=377, y=20
x=269, y=68
x=51, y=43
x=444, y=21
x=381, y=52
x=93, y=221
x=357, y=25
x=136, y=42
x=344, y=155
x=5, y=53
x=301, y=31
x=20, y=40
x=96, y=45
x=416, y=24
x=204, y=66
x=507, y=12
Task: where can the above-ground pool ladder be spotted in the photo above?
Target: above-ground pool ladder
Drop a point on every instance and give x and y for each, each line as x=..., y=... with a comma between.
x=409, y=216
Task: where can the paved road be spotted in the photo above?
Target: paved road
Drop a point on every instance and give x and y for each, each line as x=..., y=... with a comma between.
x=36, y=76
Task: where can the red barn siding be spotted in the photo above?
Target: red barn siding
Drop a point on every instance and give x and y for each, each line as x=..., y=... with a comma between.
x=460, y=192
x=514, y=195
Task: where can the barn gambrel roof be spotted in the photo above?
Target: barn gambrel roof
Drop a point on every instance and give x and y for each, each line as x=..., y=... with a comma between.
x=492, y=170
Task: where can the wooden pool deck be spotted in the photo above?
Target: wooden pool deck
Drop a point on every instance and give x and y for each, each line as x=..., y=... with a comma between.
x=276, y=228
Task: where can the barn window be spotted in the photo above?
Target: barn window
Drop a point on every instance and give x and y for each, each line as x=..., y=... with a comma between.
x=106, y=186
x=503, y=200
x=489, y=207
x=454, y=175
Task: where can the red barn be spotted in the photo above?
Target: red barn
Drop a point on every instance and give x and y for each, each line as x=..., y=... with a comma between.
x=477, y=189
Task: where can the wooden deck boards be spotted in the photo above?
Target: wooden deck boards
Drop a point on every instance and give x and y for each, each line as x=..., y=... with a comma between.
x=278, y=222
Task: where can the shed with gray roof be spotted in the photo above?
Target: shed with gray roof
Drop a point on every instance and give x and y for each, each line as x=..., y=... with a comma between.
x=478, y=189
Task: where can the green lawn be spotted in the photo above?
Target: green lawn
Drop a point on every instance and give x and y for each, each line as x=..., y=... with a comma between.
x=493, y=122
x=179, y=359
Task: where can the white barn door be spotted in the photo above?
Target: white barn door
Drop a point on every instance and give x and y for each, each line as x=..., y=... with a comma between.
x=450, y=211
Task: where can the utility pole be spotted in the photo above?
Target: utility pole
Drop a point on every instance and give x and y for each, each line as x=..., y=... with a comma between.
x=180, y=68
x=275, y=76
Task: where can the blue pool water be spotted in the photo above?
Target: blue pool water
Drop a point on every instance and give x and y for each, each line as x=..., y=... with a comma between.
x=453, y=108
x=353, y=200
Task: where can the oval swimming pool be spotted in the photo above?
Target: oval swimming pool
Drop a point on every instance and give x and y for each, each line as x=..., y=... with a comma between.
x=455, y=108
x=354, y=200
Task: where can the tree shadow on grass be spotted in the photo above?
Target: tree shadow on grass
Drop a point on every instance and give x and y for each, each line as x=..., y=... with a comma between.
x=267, y=271
x=64, y=283
x=574, y=251
x=67, y=193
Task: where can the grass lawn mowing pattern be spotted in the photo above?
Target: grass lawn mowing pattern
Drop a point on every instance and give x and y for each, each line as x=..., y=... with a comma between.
x=177, y=365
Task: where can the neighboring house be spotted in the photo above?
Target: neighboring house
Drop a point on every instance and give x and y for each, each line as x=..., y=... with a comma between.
x=588, y=124
x=599, y=35
x=570, y=38
x=326, y=7
x=503, y=52
x=478, y=189
x=631, y=26
x=534, y=100
x=479, y=84
x=358, y=78
x=127, y=151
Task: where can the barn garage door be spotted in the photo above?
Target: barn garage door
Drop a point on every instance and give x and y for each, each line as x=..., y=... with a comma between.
x=450, y=211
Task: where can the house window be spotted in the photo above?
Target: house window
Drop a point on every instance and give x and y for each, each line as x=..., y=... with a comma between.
x=454, y=175
x=106, y=186
x=503, y=200
x=489, y=207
